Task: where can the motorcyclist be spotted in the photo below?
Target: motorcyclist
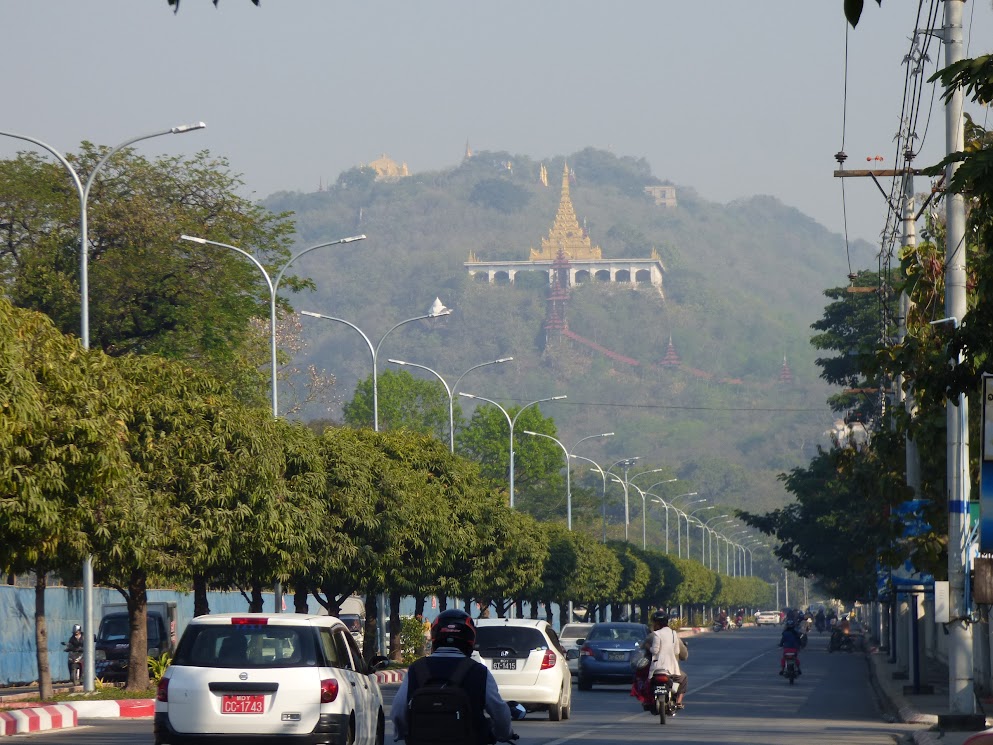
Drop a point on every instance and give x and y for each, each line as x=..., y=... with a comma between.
x=819, y=620
x=74, y=648
x=790, y=641
x=722, y=618
x=453, y=636
x=663, y=645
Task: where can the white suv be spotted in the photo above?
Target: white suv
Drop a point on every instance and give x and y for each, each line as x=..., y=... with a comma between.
x=253, y=677
x=528, y=663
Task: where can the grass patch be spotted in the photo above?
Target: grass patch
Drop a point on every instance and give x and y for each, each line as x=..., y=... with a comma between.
x=106, y=693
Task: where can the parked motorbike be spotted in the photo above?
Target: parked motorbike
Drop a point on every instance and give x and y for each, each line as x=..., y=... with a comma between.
x=75, y=665
x=664, y=690
x=790, y=671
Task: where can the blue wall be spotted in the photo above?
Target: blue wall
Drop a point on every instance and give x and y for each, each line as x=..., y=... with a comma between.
x=64, y=607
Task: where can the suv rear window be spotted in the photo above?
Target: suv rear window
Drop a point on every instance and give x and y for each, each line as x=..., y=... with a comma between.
x=517, y=641
x=214, y=645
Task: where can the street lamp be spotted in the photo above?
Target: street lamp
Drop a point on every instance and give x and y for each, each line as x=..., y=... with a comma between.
x=658, y=500
x=603, y=493
x=511, y=422
x=448, y=390
x=568, y=484
x=436, y=311
x=83, y=191
x=688, y=515
x=703, y=534
x=568, y=488
x=626, y=464
x=273, y=285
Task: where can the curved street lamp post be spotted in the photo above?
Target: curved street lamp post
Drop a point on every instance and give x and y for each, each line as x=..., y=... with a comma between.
x=603, y=477
x=511, y=422
x=273, y=285
x=437, y=310
x=626, y=464
x=83, y=192
x=449, y=389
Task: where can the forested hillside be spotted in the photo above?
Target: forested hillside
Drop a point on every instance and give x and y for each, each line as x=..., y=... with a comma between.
x=743, y=283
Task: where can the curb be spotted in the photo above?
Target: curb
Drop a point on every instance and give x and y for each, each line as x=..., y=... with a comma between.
x=61, y=716
x=37, y=719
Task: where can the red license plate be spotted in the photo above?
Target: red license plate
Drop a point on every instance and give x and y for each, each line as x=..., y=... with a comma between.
x=242, y=704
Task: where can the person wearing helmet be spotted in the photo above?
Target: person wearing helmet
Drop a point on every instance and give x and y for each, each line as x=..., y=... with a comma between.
x=663, y=645
x=74, y=651
x=791, y=641
x=453, y=637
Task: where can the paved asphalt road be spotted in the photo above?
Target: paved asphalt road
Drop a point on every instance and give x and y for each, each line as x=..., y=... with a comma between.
x=735, y=696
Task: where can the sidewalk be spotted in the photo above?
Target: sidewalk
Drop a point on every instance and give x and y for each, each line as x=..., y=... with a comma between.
x=922, y=708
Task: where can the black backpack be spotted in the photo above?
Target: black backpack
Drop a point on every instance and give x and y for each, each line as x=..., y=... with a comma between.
x=439, y=711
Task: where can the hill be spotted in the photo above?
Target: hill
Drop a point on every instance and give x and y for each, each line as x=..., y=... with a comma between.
x=743, y=283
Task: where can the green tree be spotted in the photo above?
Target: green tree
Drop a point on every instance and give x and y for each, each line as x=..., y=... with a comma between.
x=60, y=448
x=538, y=480
x=149, y=292
x=405, y=402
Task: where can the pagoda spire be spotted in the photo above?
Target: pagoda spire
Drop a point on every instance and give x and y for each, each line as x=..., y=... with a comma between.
x=785, y=374
x=671, y=358
x=566, y=234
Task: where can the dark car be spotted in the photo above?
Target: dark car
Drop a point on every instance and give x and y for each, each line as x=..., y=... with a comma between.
x=113, y=644
x=605, y=656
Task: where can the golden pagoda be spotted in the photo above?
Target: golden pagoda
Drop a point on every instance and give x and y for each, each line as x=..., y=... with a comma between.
x=388, y=169
x=566, y=235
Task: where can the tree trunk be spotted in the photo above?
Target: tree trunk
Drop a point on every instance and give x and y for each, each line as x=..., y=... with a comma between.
x=396, y=642
x=256, y=605
x=138, y=614
x=41, y=636
x=369, y=647
x=200, y=605
x=442, y=602
x=419, y=604
x=300, y=595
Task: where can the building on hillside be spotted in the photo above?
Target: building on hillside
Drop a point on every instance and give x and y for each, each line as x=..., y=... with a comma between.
x=388, y=169
x=671, y=358
x=663, y=194
x=585, y=261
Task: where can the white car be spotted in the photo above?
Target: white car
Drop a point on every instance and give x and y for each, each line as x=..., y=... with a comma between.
x=253, y=677
x=569, y=636
x=528, y=663
x=771, y=617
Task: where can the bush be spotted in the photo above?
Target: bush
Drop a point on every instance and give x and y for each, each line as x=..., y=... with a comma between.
x=412, y=641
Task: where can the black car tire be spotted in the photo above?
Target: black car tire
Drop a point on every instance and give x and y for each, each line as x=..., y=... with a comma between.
x=585, y=684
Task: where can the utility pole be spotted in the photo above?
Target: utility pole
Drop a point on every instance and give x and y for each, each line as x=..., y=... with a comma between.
x=961, y=696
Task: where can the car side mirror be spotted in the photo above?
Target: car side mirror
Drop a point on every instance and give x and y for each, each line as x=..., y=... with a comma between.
x=579, y=642
x=572, y=654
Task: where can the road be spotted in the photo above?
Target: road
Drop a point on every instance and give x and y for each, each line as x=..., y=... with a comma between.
x=735, y=697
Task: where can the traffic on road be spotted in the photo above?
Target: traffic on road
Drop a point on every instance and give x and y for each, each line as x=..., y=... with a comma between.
x=737, y=697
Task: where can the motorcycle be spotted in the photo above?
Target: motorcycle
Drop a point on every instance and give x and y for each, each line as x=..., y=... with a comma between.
x=819, y=624
x=790, y=671
x=75, y=665
x=664, y=690
x=841, y=642
x=717, y=626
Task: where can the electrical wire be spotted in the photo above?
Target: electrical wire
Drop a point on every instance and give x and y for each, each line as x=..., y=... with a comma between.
x=841, y=153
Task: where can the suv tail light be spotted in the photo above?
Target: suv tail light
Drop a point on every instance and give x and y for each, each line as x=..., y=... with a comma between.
x=162, y=691
x=548, y=661
x=329, y=690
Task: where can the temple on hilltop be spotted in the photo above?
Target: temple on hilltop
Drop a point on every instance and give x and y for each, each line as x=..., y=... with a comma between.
x=388, y=169
x=671, y=358
x=585, y=261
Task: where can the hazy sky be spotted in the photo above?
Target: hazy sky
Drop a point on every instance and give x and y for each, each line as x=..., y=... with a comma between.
x=730, y=97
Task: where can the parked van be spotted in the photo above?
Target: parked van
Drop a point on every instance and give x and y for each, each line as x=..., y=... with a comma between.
x=113, y=642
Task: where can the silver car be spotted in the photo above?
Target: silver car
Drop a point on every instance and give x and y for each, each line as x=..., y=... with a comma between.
x=571, y=637
x=253, y=677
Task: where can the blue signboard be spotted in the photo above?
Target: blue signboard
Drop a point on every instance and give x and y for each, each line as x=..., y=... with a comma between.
x=986, y=471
